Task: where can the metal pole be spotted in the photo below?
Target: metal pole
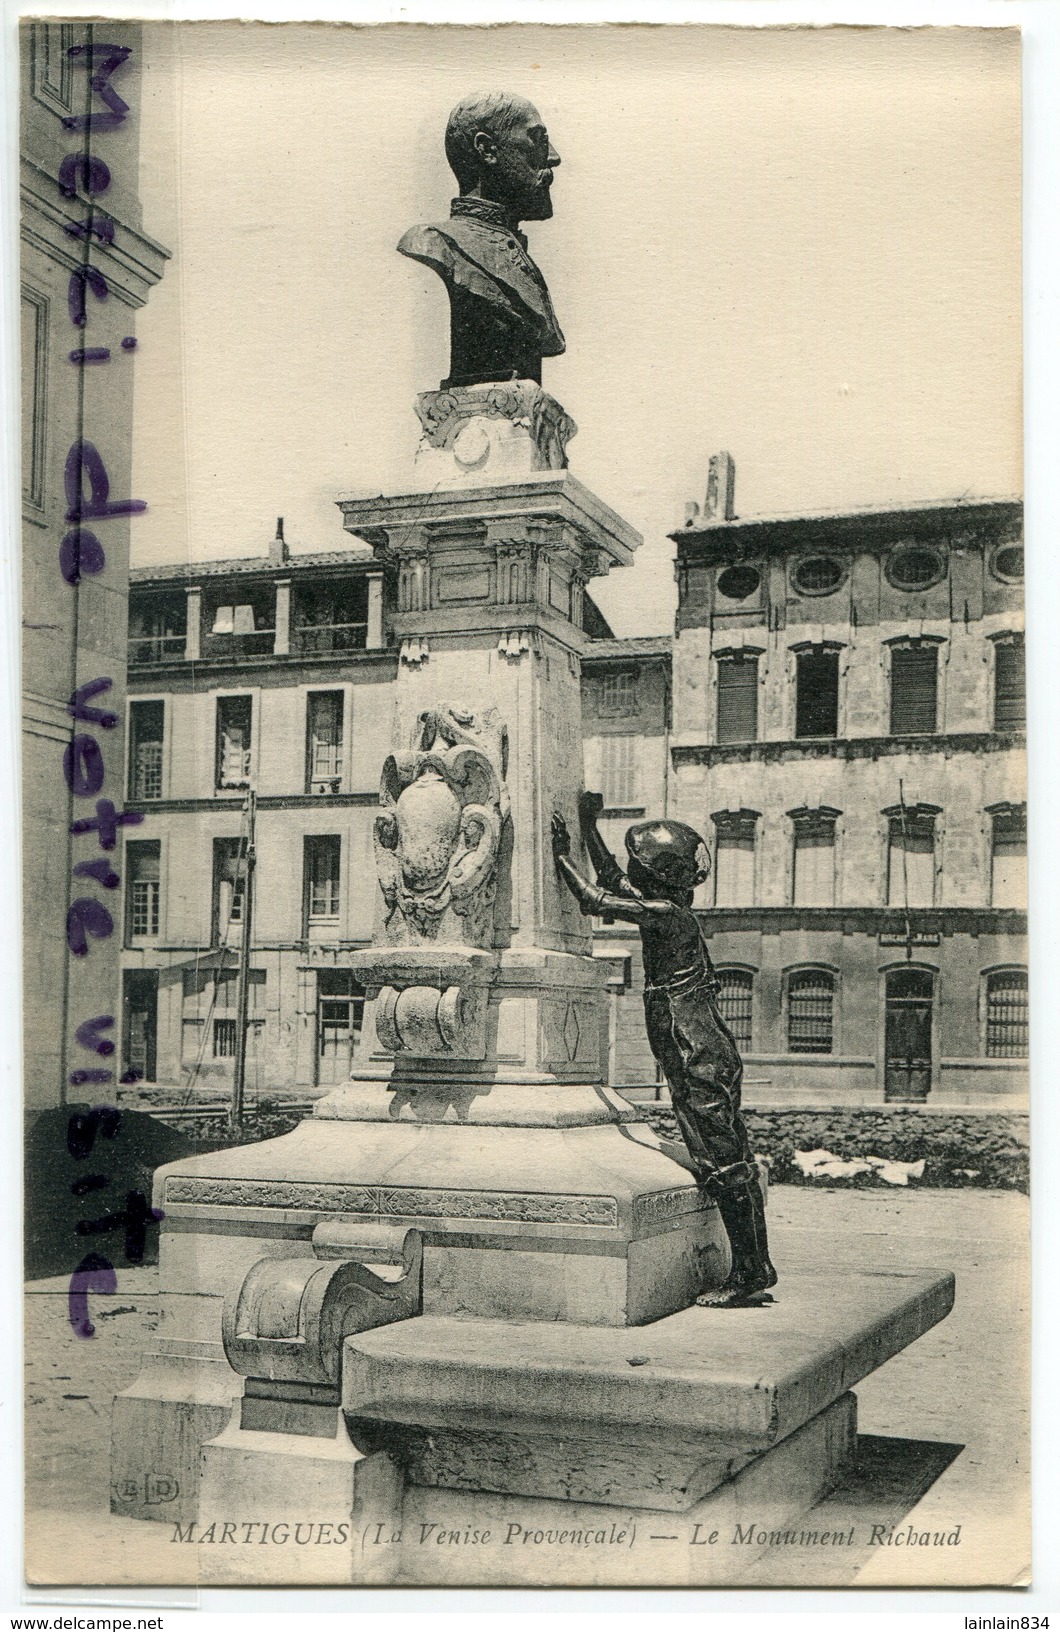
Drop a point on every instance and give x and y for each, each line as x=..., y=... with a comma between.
x=235, y=1117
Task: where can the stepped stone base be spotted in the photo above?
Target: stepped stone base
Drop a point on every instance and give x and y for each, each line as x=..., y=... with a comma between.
x=530, y=1453
x=581, y=1544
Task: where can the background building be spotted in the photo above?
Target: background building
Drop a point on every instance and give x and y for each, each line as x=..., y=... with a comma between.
x=271, y=673
x=843, y=721
x=73, y=633
x=849, y=734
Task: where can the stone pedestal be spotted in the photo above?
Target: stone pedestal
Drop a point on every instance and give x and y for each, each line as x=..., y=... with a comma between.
x=289, y=1509
x=565, y=1454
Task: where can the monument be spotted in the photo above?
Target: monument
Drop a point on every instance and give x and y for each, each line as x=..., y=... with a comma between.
x=460, y=1298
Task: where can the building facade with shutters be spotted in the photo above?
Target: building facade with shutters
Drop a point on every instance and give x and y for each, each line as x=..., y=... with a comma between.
x=848, y=734
x=275, y=673
x=841, y=715
x=626, y=724
x=271, y=673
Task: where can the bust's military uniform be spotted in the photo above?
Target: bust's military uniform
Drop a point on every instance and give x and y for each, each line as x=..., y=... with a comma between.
x=501, y=317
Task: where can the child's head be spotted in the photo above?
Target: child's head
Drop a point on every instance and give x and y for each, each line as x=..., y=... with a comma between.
x=666, y=858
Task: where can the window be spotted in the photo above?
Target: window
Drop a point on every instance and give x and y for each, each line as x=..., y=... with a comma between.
x=619, y=772
x=1007, y=563
x=330, y=617
x=739, y=583
x=911, y=858
x=1008, y=860
x=914, y=567
x=1007, y=1019
x=229, y=886
x=143, y=861
x=734, y=1003
x=618, y=692
x=145, y=750
x=233, y=742
x=238, y=620
x=209, y=1010
x=224, y=1039
x=322, y=853
x=324, y=741
x=738, y=697
x=734, y=858
x=158, y=623
x=817, y=693
x=1010, y=685
x=811, y=993
x=818, y=575
x=914, y=688
x=813, y=880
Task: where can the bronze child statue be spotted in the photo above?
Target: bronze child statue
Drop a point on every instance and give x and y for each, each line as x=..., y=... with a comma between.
x=687, y=1035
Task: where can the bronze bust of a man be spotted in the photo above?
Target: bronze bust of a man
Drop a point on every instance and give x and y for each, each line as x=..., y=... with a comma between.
x=501, y=317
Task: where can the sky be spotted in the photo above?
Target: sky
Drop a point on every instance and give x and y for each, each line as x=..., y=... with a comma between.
x=798, y=245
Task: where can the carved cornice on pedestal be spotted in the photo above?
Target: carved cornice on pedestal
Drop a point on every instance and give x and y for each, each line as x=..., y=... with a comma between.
x=448, y=420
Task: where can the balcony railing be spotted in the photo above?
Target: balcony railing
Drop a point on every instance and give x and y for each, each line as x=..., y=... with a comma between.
x=254, y=643
x=155, y=648
x=322, y=638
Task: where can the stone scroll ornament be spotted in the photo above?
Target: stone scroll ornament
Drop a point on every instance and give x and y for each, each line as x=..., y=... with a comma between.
x=438, y=840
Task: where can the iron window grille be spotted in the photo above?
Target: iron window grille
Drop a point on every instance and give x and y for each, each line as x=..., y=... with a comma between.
x=1007, y=1016
x=224, y=1039
x=734, y=999
x=811, y=998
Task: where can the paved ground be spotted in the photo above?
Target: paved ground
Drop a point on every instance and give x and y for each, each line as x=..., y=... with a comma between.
x=965, y=1384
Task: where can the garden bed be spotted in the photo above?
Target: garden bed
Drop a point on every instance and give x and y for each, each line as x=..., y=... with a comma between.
x=986, y=1150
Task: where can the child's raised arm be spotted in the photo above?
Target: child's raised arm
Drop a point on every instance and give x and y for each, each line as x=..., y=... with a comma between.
x=631, y=909
x=608, y=872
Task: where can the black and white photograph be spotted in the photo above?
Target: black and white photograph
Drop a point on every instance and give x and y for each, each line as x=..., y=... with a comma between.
x=524, y=798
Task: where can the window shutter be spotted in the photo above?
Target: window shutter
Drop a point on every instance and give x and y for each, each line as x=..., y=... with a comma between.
x=911, y=865
x=1010, y=686
x=814, y=882
x=734, y=859
x=914, y=689
x=620, y=772
x=737, y=699
x=1008, y=871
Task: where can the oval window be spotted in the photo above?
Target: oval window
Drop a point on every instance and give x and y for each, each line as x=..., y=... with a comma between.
x=818, y=575
x=915, y=566
x=736, y=583
x=1008, y=563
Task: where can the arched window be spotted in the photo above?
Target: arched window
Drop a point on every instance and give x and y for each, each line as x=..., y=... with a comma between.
x=1007, y=1020
x=811, y=998
x=734, y=1003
